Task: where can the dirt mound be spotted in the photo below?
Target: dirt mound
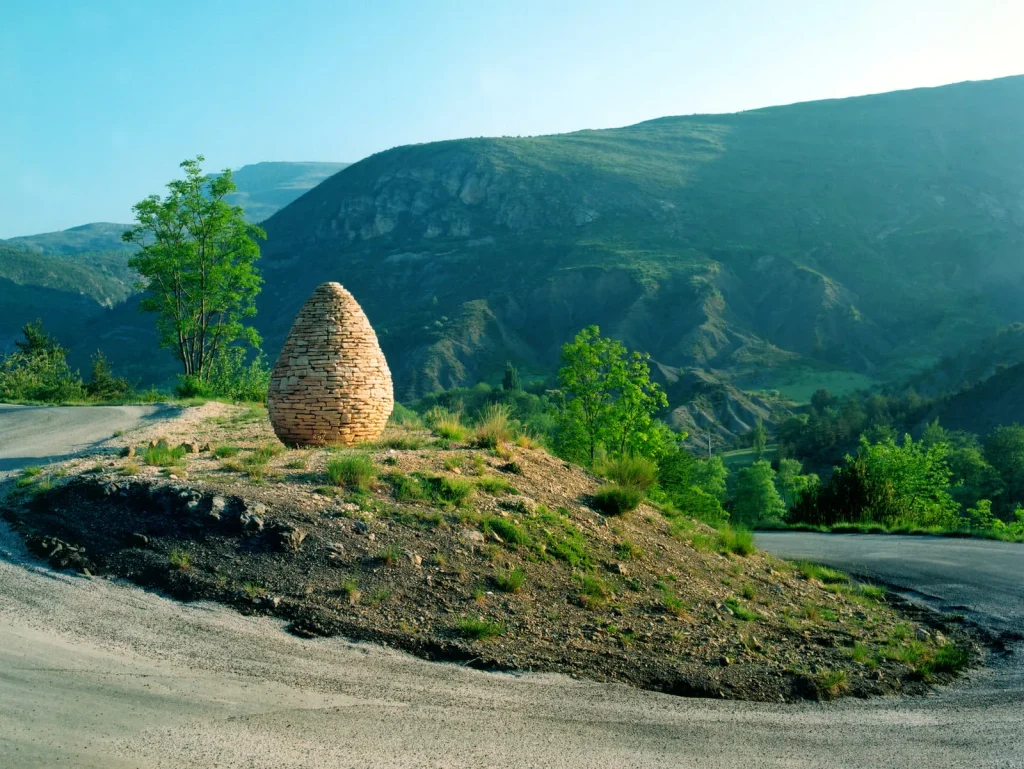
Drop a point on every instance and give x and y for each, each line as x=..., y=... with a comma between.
x=453, y=552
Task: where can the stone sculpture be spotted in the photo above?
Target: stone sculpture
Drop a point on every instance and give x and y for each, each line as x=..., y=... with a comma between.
x=331, y=384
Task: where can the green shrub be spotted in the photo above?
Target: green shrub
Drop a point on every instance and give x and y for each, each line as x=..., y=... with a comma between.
x=510, y=581
x=494, y=427
x=407, y=488
x=612, y=499
x=637, y=473
x=478, y=629
x=354, y=471
x=224, y=452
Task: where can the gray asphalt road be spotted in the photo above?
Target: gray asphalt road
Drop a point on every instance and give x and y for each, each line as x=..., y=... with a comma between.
x=99, y=674
x=37, y=435
x=982, y=580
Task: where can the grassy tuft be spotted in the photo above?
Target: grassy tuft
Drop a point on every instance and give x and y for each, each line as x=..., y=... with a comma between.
x=180, y=559
x=594, y=593
x=478, y=629
x=355, y=471
x=738, y=541
x=226, y=452
x=510, y=581
x=446, y=424
x=163, y=455
x=494, y=429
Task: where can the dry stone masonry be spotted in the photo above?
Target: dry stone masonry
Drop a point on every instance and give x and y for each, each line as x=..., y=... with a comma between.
x=331, y=384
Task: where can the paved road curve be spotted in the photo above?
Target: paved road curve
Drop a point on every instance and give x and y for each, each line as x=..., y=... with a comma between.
x=98, y=674
x=37, y=435
x=983, y=580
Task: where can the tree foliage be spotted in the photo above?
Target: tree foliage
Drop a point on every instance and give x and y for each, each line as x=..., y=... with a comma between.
x=197, y=264
x=607, y=399
x=756, y=498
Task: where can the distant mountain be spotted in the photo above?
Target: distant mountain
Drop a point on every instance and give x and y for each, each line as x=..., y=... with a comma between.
x=870, y=235
x=73, y=275
x=265, y=188
x=850, y=240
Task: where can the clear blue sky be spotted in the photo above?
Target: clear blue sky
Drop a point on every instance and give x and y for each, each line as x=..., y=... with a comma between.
x=100, y=100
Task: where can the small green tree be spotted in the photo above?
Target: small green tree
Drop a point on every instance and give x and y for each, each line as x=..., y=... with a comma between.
x=38, y=370
x=756, y=497
x=791, y=482
x=711, y=476
x=607, y=399
x=1004, y=450
x=197, y=265
x=511, y=383
x=103, y=385
x=638, y=399
x=758, y=438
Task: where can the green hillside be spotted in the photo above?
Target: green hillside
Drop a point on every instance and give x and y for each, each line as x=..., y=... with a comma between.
x=866, y=236
x=265, y=188
x=829, y=244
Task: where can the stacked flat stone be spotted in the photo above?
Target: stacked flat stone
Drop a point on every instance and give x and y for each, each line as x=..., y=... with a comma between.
x=331, y=384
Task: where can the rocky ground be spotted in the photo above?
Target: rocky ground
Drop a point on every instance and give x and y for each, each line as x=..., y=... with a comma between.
x=493, y=558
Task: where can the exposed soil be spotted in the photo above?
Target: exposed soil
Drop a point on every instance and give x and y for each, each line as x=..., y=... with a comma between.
x=637, y=598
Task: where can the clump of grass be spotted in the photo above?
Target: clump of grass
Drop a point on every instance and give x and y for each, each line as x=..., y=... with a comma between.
x=453, y=492
x=948, y=658
x=823, y=574
x=225, y=452
x=594, y=593
x=740, y=611
x=32, y=471
x=493, y=485
x=874, y=592
x=528, y=441
x=380, y=596
x=265, y=452
x=406, y=488
x=296, y=463
x=494, y=428
x=446, y=424
x=637, y=473
x=510, y=532
x=232, y=466
x=406, y=442
x=672, y=603
x=131, y=467
x=811, y=612
x=451, y=464
x=748, y=592
x=738, y=541
x=390, y=555
x=702, y=543
x=627, y=550
x=860, y=653
x=479, y=629
x=96, y=468
x=180, y=559
x=510, y=581
x=355, y=471
x=831, y=683
x=612, y=499
x=351, y=591
x=163, y=455
x=252, y=589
